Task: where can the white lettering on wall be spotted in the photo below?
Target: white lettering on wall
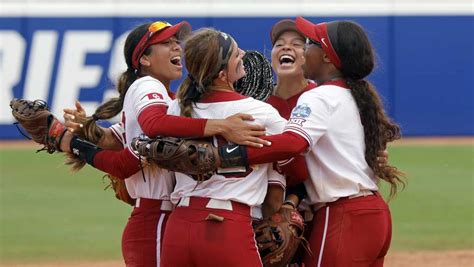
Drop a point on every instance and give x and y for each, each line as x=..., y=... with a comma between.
x=73, y=73
x=12, y=50
x=40, y=65
x=117, y=62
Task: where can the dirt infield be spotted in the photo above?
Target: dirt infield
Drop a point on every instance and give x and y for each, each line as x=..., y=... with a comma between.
x=395, y=259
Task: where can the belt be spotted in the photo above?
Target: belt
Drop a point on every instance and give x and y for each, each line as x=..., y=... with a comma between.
x=211, y=203
x=164, y=205
x=362, y=193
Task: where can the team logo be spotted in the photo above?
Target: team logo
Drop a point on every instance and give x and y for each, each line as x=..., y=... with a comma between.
x=322, y=40
x=297, y=121
x=152, y=96
x=301, y=111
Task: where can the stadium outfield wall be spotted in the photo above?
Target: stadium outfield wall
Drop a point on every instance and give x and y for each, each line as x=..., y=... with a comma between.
x=73, y=51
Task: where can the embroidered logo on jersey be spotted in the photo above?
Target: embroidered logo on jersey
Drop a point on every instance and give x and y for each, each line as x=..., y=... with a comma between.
x=297, y=121
x=299, y=114
x=301, y=111
x=152, y=96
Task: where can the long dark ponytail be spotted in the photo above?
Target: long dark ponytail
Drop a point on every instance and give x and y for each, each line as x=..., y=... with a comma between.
x=113, y=106
x=357, y=57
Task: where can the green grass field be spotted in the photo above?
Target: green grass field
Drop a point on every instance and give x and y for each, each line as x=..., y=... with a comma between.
x=49, y=214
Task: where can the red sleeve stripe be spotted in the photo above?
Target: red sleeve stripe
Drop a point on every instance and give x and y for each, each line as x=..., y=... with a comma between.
x=131, y=151
x=117, y=135
x=301, y=133
x=284, y=162
x=274, y=182
x=149, y=105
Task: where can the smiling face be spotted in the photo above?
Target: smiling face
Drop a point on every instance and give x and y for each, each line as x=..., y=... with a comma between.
x=235, y=66
x=288, y=54
x=164, y=61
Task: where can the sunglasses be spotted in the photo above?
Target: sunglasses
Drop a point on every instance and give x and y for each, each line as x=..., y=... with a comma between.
x=313, y=42
x=155, y=27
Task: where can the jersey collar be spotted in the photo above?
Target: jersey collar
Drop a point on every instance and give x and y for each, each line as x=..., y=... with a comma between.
x=221, y=96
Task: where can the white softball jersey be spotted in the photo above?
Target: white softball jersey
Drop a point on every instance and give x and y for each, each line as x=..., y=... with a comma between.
x=154, y=183
x=249, y=188
x=118, y=130
x=328, y=118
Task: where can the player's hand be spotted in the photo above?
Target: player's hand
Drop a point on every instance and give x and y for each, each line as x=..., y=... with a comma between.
x=238, y=130
x=382, y=157
x=74, y=118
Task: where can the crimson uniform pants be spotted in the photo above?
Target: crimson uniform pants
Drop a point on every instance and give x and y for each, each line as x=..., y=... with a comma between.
x=351, y=232
x=192, y=240
x=141, y=239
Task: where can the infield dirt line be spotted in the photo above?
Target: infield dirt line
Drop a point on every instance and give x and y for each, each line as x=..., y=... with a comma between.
x=453, y=258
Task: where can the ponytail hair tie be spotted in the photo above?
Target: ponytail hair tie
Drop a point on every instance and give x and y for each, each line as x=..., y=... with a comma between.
x=194, y=84
x=95, y=117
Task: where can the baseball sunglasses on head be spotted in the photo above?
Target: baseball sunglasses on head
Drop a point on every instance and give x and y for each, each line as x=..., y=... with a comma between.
x=155, y=27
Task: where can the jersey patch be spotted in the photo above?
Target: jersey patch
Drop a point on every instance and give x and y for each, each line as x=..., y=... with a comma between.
x=297, y=121
x=152, y=96
x=301, y=111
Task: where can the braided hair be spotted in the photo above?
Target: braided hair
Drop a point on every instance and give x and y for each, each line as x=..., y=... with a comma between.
x=258, y=82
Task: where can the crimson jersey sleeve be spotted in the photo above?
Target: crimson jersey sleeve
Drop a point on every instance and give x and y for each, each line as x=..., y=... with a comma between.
x=149, y=101
x=284, y=146
x=121, y=164
x=295, y=170
x=154, y=121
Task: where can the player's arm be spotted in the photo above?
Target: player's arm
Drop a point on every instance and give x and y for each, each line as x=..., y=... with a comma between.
x=275, y=192
x=273, y=200
x=74, y=119
x=155, y=121
x=283, y=146
x=121, y=164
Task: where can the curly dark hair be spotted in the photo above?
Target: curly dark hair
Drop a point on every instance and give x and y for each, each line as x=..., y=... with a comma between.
x=357, y=58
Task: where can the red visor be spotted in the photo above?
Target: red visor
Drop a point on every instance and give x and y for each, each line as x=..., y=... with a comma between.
x=318, y=32
x=158, y=32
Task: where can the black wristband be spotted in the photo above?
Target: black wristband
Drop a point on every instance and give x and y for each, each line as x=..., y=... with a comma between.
x=84, y=150
x=299, y=190
x=233, y=156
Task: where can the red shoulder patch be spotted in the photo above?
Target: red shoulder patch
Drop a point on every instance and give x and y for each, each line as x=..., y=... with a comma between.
x=154, y=96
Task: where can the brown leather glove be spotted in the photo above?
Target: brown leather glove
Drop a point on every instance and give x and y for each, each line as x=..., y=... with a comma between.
x=279, y=236
x=39, y=122
x=194, y=157
x=121, y=193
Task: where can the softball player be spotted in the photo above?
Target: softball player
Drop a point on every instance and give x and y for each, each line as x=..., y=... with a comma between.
x=212, y=223
x=153, y=55
x=342, y=126
x=287, y=61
